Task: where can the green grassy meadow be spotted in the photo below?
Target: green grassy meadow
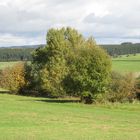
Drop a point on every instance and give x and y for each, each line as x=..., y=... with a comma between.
x=127, y=64
x=28, y=118
x=7, y=64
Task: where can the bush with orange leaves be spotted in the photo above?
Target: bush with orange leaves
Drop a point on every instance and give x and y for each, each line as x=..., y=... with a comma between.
x=13, y=78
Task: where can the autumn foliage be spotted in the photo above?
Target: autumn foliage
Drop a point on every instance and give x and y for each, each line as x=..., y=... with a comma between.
x=12, y=78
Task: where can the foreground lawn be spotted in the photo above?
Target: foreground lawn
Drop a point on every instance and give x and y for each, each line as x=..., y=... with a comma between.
x=27, y=118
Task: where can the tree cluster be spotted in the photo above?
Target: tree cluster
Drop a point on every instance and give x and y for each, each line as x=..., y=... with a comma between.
x=71, y=65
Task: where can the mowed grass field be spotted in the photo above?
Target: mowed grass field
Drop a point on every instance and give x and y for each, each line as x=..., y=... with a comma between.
x=126, y=63
x=28, y=118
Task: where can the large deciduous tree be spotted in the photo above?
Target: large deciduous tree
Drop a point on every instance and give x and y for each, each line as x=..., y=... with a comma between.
x=70, y=65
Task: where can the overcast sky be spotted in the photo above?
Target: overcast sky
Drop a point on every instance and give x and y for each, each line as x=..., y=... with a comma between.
x=25, y=22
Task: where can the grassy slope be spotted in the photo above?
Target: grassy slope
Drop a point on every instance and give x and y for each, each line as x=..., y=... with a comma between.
x=127, y=64
x=26, y=118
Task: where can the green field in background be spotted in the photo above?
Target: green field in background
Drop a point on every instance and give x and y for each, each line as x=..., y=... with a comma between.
x=7, y=64
x=128, y=57
x=126, y=63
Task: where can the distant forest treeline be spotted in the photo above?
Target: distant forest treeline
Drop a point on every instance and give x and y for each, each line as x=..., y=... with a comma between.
x=23, y=53
x=15, y=54
x=123, y=49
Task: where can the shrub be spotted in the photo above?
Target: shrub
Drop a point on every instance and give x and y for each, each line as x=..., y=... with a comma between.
x=122, y=88
x=137, y=87
x=87, y=97
x=13, y=78
x=101, y=97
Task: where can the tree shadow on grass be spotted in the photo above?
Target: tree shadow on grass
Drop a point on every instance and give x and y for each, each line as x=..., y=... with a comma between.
x=5, y=92
x=59, y=101
x=47, y=100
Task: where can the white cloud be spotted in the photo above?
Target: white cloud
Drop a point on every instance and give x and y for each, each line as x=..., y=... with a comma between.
x=11, y=40
x=28, y=20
